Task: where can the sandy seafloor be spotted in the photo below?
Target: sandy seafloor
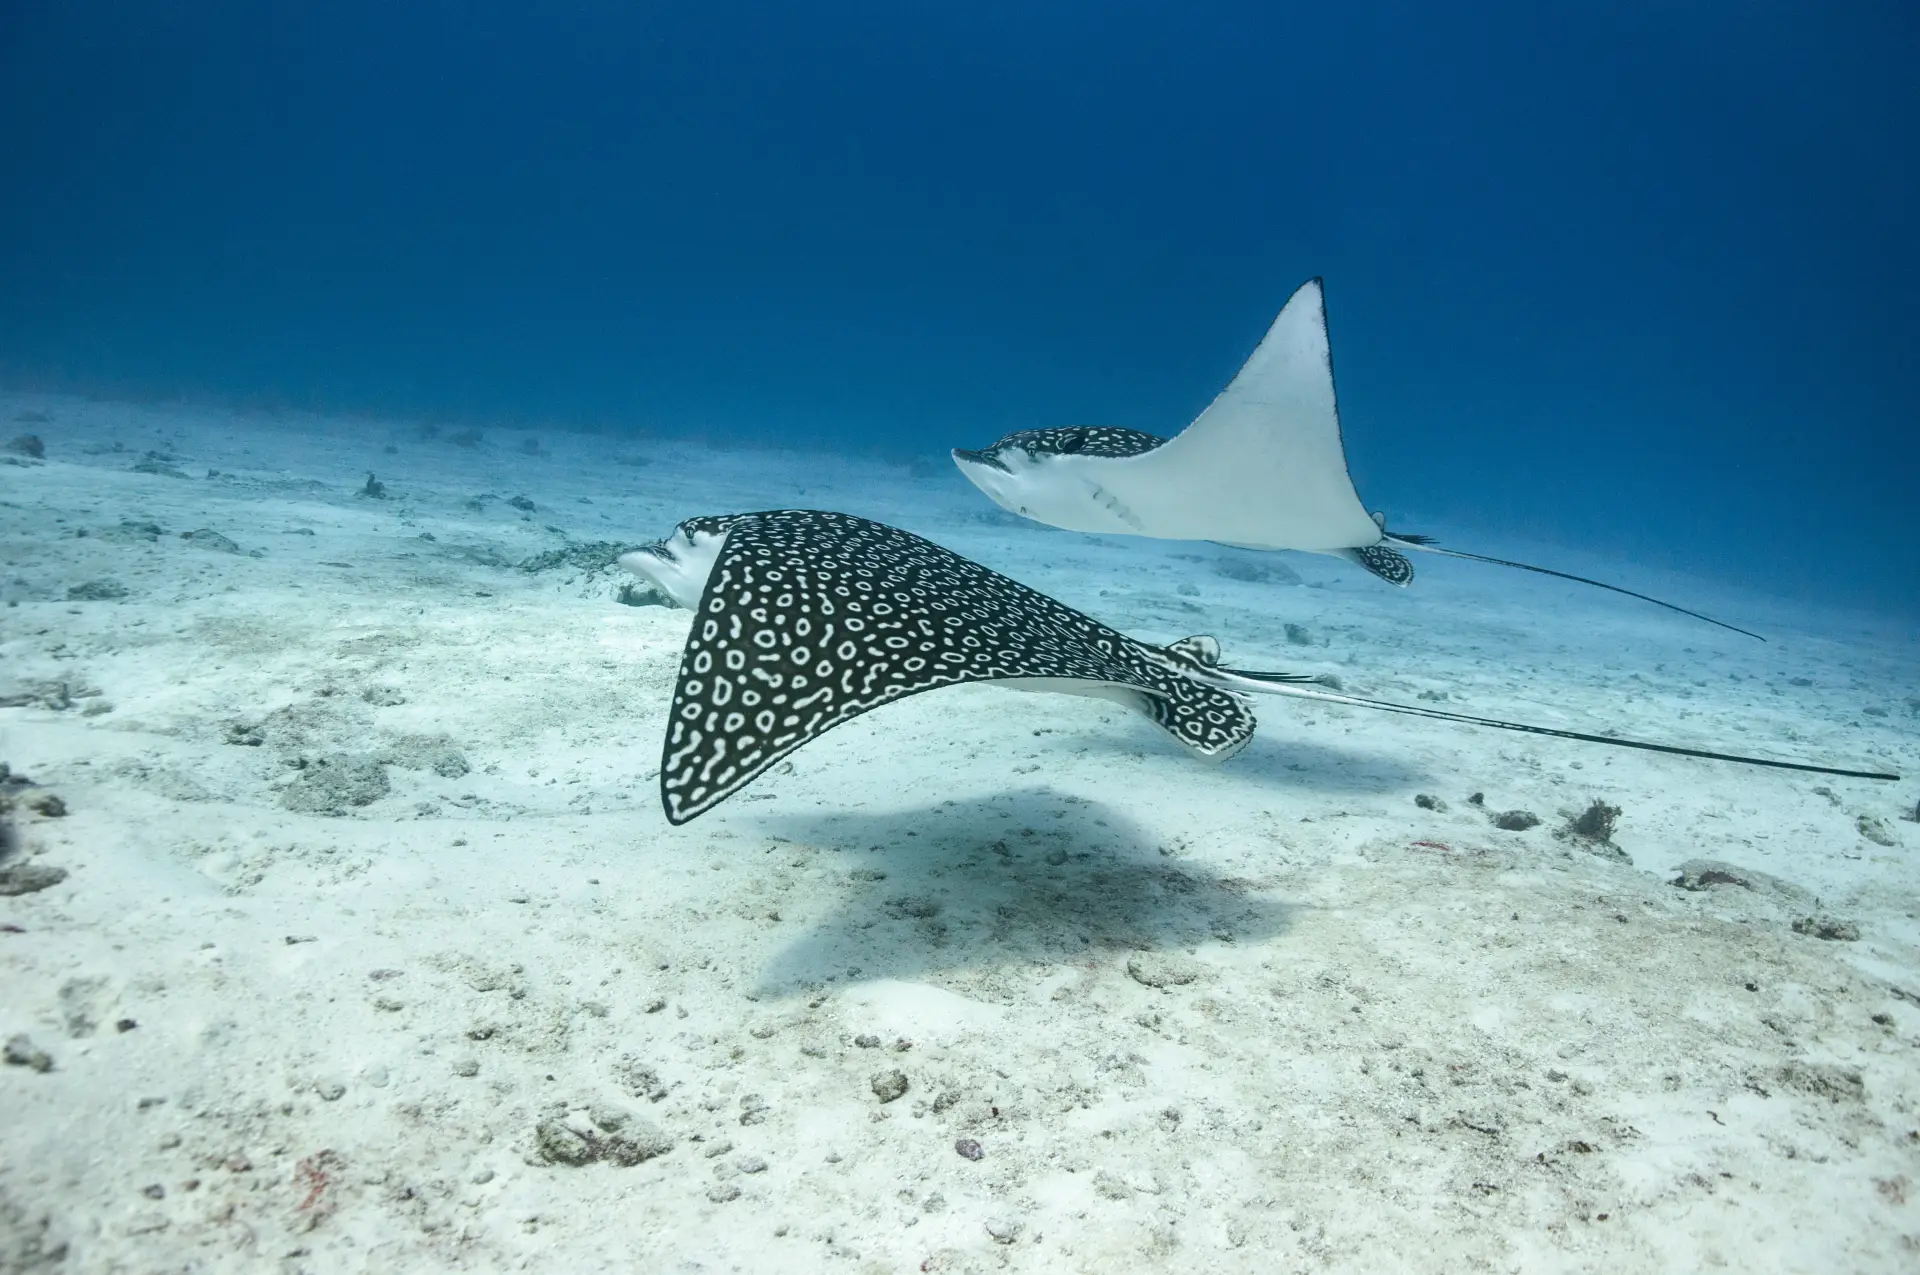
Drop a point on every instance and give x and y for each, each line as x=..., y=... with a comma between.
x=1270, y=1015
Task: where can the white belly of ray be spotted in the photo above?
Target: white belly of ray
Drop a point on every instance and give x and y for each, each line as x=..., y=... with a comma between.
x=1061, y=491
x=1127, y=696
x=680, y=573
x=1262, y=467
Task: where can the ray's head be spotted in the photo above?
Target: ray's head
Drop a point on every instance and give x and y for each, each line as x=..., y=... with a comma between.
x=1006, y=470
x=679, y=565
x=1036, y=446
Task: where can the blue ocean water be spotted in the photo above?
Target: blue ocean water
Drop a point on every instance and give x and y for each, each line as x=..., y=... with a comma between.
x=1638, y=277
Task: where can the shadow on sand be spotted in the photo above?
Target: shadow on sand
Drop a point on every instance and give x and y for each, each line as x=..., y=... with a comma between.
x=1273, y=765
x=1023, y=876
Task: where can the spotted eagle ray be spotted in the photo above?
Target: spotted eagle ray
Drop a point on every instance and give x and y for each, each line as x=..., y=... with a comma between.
x=1263, y=467
x=804, y=620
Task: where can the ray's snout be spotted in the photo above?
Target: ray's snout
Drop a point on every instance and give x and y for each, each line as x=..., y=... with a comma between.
x=652, y=563
x=678, y=566
x=964, y=457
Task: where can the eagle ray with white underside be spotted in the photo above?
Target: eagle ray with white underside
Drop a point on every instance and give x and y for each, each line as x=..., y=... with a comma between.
x=804, y=620
x=1264, y=467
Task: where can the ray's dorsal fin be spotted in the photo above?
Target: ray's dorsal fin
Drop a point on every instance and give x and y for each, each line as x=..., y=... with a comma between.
x=1286, y=684
x=1426, y=544
x=1199, y=648
x=1200, y=655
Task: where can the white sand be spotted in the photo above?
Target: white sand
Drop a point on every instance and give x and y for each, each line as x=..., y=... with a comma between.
x=1265, y=1016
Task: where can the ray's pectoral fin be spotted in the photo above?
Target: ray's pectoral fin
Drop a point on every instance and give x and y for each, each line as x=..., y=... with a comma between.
x=809, y=619
x=1384, y=561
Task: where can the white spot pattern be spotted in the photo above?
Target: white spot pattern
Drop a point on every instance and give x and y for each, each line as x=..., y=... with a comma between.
x=811, y=619
x=1389, y=564
x=1076, y=440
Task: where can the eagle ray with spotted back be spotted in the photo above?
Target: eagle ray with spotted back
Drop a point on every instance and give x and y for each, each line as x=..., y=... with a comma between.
x=809, y=619
x=1263, y=467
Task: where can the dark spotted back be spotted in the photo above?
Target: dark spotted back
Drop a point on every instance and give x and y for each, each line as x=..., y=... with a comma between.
x=710, y=523
x=1081, y=440
x=811, y=619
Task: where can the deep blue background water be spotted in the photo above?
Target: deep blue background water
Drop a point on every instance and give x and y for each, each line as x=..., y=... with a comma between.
x=1633, y=274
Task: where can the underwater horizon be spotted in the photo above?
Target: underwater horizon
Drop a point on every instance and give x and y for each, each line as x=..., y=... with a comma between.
x=870, y=638
x=1619, y=277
